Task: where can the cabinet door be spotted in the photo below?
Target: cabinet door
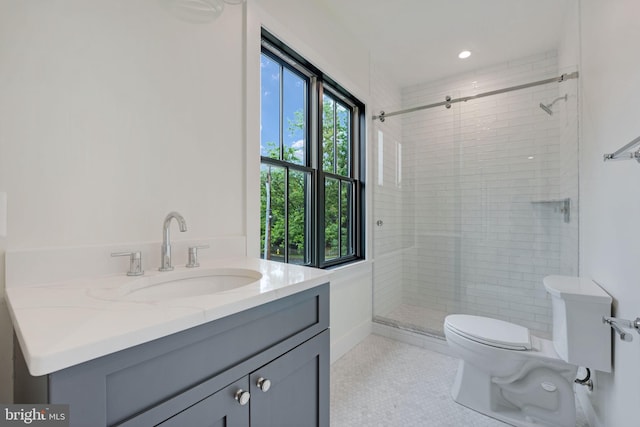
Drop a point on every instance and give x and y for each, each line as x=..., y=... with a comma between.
x=221, y=409
x=298, y=392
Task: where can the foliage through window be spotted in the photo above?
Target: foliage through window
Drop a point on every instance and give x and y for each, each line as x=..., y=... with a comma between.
x=311, y=150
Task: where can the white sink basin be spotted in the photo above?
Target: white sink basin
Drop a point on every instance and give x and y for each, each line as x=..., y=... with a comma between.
x=182, y=284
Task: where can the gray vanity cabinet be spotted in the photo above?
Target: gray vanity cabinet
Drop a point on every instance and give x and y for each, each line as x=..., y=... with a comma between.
x=191, y=378
x=295, y=395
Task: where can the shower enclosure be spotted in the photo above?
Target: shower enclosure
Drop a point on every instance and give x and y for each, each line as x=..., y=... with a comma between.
x=476, y=201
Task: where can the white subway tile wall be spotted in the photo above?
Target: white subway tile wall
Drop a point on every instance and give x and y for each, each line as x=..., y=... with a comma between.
x=477, y=221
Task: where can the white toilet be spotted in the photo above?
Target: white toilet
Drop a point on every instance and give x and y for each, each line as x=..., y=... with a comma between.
x=524, y=380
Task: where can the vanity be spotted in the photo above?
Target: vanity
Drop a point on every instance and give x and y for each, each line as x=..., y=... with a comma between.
x=122, y=353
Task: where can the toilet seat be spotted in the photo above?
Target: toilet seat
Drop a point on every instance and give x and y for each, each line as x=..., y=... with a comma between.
x=492, y=332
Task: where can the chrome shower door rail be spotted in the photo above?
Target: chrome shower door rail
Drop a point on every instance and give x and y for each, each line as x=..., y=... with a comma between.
x=383, y=115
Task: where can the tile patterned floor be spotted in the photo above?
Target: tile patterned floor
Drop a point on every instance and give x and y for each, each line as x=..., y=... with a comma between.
x=386, y=383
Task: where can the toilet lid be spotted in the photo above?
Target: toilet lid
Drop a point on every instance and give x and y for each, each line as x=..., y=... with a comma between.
x=493, y=332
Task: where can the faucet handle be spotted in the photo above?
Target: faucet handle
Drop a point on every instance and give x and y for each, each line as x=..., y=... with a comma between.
x=135, y=262
x=193, y=256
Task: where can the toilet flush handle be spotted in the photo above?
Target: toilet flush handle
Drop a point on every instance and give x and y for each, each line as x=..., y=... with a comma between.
x=624, y=336
x=618, y=324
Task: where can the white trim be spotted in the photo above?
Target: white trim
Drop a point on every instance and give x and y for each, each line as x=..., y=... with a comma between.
x=342, y=345
x=252, y=49
x=351, y=270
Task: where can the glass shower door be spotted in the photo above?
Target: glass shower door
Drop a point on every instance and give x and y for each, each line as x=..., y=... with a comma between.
x=416, y=209
x=473, y=206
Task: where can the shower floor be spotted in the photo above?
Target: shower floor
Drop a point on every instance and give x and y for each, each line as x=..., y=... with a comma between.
x=414, y=318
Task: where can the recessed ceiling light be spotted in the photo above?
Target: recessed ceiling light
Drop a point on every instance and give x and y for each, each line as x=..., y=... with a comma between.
x=464, y=54
x=530, y=157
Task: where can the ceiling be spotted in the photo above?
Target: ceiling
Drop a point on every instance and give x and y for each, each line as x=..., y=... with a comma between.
x=419, y=40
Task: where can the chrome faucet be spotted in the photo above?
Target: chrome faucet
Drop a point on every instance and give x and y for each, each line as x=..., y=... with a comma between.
x=165, y=249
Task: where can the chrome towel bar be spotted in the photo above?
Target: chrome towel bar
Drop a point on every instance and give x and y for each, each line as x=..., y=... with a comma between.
x=623, y=154
x=618, y=324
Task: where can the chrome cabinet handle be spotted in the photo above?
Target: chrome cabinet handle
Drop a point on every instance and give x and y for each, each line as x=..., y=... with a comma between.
x=263, y=384
x=193, y=256
x=135, y=262
x=242, y=397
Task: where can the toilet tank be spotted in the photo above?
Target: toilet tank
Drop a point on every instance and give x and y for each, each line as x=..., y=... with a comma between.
x=579, y=336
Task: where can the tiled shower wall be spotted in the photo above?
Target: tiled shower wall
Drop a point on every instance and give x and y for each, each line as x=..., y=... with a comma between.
x=480, y=196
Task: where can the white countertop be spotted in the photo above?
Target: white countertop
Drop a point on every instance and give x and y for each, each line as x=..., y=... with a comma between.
x=65, y=323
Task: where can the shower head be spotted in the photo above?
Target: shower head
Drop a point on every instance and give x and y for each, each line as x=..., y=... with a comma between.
x=547, y=108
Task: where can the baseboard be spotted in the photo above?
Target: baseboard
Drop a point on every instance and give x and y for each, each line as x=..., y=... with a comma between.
x=425, y=341
x=342, y=345
x=583, y=398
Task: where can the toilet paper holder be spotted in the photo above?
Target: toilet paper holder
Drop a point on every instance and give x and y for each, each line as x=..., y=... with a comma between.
x=619, y=324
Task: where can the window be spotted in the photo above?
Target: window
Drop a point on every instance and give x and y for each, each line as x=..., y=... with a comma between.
x=311, y=148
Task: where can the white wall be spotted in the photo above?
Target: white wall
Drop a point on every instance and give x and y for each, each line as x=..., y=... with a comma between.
x=112, y=114
x=610, y=196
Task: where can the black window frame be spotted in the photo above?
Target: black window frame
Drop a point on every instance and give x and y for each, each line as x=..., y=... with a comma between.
x=317, y=85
